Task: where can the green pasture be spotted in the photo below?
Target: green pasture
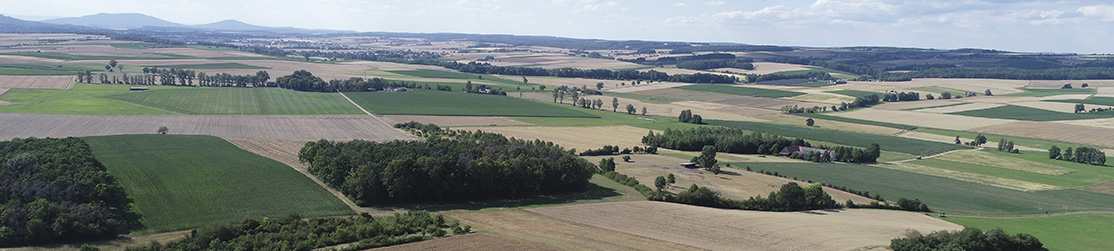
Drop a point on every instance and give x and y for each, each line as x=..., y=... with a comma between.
x=856, y=121
x=1032, y=114
x=81, y=99
x=427, y=102
x=239, y=101
x=1106, y=101
x=939, y=90
x=1074, y=179
x=1089, y=231
x=740, y=90
x=186, y=181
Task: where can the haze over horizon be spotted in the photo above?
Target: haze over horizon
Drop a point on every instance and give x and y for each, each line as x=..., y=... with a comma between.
x=1079, y=26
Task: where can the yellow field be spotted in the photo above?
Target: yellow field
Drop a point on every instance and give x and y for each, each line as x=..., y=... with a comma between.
x=581, y=138
x=970, y=177
x=1058, y=131
x=993, y=160
x=831, y=124
x=36, y=82
x=960, y=108
x=921, y=119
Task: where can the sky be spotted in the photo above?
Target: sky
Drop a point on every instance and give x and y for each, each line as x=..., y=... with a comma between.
x=1074, y=26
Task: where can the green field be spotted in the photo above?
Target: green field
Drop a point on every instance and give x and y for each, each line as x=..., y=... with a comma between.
x=1032, y=114
x=81, y=99
x=63, y=56
x=1059, y=232
x=239, y=101
x=941, y=194
x=425, y=102
x=428, y=73
x=186, y=181
x=1074, y=179
x=740, y=90
x=1030, y=92
x=888, y=143
x=856, y=121
x=968, y=136
x=47, y=69
x=856, y=93
x=935, y=106
x=211, y=66
x=1107, y=101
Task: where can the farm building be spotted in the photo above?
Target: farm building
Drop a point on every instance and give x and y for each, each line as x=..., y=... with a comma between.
x=792, y=149
x=688, y=165
x=139, y=88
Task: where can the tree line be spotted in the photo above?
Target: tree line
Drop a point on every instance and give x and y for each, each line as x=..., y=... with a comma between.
x=791, y=197
x=179, y=77
x=864, y=101
x=734, y=140
x=614, y=150
x=1083, y=154
x=967, y=239
x=463, y=166
x=53, y=190
x=291, y=232
x=302, y=80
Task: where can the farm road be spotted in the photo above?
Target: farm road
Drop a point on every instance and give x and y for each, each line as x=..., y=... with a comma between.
x=934, y=156
x=300, y=127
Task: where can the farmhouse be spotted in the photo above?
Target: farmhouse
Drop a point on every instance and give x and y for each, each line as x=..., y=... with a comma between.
x=792, y=149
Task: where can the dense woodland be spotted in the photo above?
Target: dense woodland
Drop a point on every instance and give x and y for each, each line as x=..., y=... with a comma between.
x=446, y=167
x=53, y=190
x=302, y=80
x=791, y=197
x=294, y=233
x=967, y=239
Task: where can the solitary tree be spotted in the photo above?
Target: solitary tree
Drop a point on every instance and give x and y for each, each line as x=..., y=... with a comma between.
x=660, y=182
x=163, y=130
x=599, y=86
x=707, y=157
x=988, y=93
x=1080, y=108
x=670, y=178
x=631, y=109
x=643, y=110
x=614, y=104
x=112, y=63
x=957, y=141
x=1053, y=152
x=525, y=81
x=979, y=140
x=810, y=122
x=626, y=158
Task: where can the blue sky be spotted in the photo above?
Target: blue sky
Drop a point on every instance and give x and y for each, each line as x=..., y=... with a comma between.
x=1082, y=26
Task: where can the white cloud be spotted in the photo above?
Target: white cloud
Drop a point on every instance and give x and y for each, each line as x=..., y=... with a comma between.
x=1103, y=12
x=715, y=3
x=680, y=5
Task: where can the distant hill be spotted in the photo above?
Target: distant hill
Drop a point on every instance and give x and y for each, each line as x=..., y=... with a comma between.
x=115, y=21
x=11, y=24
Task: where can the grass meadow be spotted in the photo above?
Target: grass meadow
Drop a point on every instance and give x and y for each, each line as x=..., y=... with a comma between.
x=1032, y=114
x=425, y=102
x=428, y=73
x=81, y=99
x=856, y=121
x=941, y=194
x=740, y=90
x=239, y=101
x=186, y=181
x=1059, y=232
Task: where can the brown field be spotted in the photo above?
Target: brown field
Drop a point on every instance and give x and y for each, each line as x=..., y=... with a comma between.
x=746, y=111
x=672, y=94
x=1054, y=131
x=1105, y=187
x=720, y=229
x=760, y=102
x=259, y=127
x=960, y=108
x=204, y=53
x=944, y=121
x=573, y=137
x=642, y=87
x=997, y=86
x=2, y=91
x=831, y=124
x=554, y=61
x=15, y=59
x=1051, y=106
x=817, y=97
x=1105, y=91
x=895, y=106
x=477, y=241
x=84, y=49
x=735, y=184
x=1103, y=123
x=993, y=160
x=558, y=234
x=36, y=82
x=444, y=121
x=1019, y=185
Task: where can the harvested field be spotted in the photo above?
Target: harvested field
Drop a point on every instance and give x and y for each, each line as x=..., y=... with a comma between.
x=36, y=82
x=573, y=137
x=1104, y=123
x=478, y=241
x=777, y=117
x=192, y=52
x=1054, y=131
x=768, y=67
x=745, y=111
x=735, y=183
x=896, y=106
x=943, y=121
x=451, y=120
x=960, y=108
x=1051, y=106
x=559, y=234
x=643, y=87
x=997, y=86
x=674, y=95
x=982, y=179
x=281, y=150
x=1106, y=187
x=309, y=127
x=998, y=161
x=1074, y=83
x=720, y=229
x=554, y=61
x=822, y=98
x=771, y=103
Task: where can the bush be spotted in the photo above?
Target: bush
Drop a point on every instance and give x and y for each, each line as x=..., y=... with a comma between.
x=966, y=239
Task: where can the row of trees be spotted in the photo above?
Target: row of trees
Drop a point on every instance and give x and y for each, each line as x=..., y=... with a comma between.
x=864, y=101
x=714, y=63
x=302, y=80
x=467, y=166
x=730, y=140
x=568, y=72
x=967, y=239
x=614, y=150
x=790, y=197
x=180, y=77
x=901, y=96
x=54, y=190
x=1083, y=154
x=291, y=232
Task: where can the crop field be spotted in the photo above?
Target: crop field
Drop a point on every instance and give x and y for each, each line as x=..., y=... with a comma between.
x=856, y=121
x=856, y=93
x=1031, y=114
x=822, y=98
x=1078, y=134
x=1058, y=232
x=421, y=102
x=888, y=143
x=1022, y=180
x=1005, y=161
x=942, y=194
x=239, y=101
x=1107, y=101
x=558, y=234
x=664, y=96
x=960, y=108
x=36, y=82
x=476, y=241
x=920, y=119
x=790, y=119
x=81, y=99
x=741, y=91
x=950, y=104
x=232, y=65
x=444, y=121
x=1045, y=92
x=428, y=73
x=181, y=181
x=720, y=229
x=301, y=127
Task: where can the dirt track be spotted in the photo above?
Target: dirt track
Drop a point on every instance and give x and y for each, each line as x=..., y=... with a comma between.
x=719, y=229
x=344, y=127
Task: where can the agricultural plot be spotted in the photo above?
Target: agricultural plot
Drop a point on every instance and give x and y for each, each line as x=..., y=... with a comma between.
x=336, y=127
x=210, y=66
x=887, y=143
x=741, y=91
x=1106, y=101
x=422, y=102
x=1004, y=161
x=428, y=73
x=239, y=101
x=36, y=82
x=477, y=241
x=920, y=119
x=720, y=229
x=822, y=98
x=959, y=107
x=573, y=137
x=558, y=234
x=942, y=194
x=444, y=121
x=180, y=181
x=1043, y=92
x=790, y=119
x=855, y=121
x=1058, y=232
x=971, y=173
x=1031, y=114
x=81, y=99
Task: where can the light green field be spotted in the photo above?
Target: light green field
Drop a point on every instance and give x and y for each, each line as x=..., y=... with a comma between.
x=81, y=99
x=1060, y=232
x=1074, y=179
x=428, y=73
x=239, y=101
x=740, y=90
x=426, y=102
x=186, y=181
x=1032, y=114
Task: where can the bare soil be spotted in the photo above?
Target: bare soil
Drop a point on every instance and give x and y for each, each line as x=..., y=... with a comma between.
x=557, y=233
x=719, y=229
x=771, y=103
x=452, y=120
x=311, y=127
x=36, y=82
x=573, y=137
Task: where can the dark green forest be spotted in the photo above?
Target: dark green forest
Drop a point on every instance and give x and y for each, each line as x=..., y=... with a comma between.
x=53, y=190
x=446, y=167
